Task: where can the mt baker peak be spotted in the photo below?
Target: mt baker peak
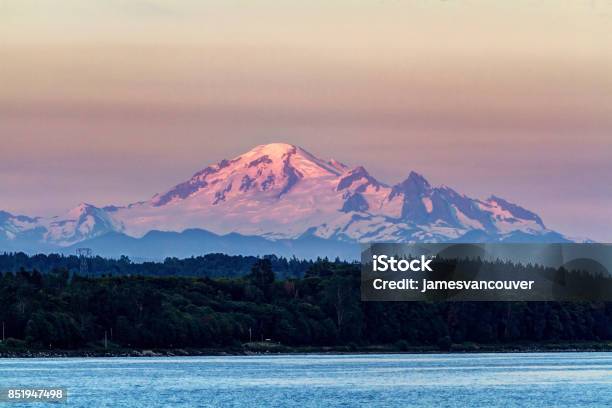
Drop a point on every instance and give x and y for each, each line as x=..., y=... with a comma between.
x=273, y=169
x=282, y=191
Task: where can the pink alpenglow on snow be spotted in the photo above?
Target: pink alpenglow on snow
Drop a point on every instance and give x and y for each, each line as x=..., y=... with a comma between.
x=281, y=191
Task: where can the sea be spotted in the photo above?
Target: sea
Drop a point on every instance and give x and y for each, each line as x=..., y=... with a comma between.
x=320, y=380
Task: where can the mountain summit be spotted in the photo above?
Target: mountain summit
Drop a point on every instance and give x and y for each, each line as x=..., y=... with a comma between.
x=272, y=170
x=281, y=191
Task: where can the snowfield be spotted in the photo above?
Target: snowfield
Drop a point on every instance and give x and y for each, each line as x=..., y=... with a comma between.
x=281, y=191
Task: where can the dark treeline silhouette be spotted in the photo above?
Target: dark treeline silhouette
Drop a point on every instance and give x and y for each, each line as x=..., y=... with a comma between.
x=211, y=265
x=60, y=310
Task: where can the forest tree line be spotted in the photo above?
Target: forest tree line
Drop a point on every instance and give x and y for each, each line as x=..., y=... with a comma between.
x=210, y=265
x=61, y=310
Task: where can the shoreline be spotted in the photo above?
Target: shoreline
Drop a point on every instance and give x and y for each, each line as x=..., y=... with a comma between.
x=256, y=349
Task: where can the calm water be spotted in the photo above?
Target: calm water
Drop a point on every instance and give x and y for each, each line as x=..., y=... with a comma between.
x=505, y=380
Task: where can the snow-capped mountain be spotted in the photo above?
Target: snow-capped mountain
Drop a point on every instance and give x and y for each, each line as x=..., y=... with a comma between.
x=82, y=222
x=14, y=226
x=281, y=192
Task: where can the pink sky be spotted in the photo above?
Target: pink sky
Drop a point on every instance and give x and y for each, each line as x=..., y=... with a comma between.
x=110, y=102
